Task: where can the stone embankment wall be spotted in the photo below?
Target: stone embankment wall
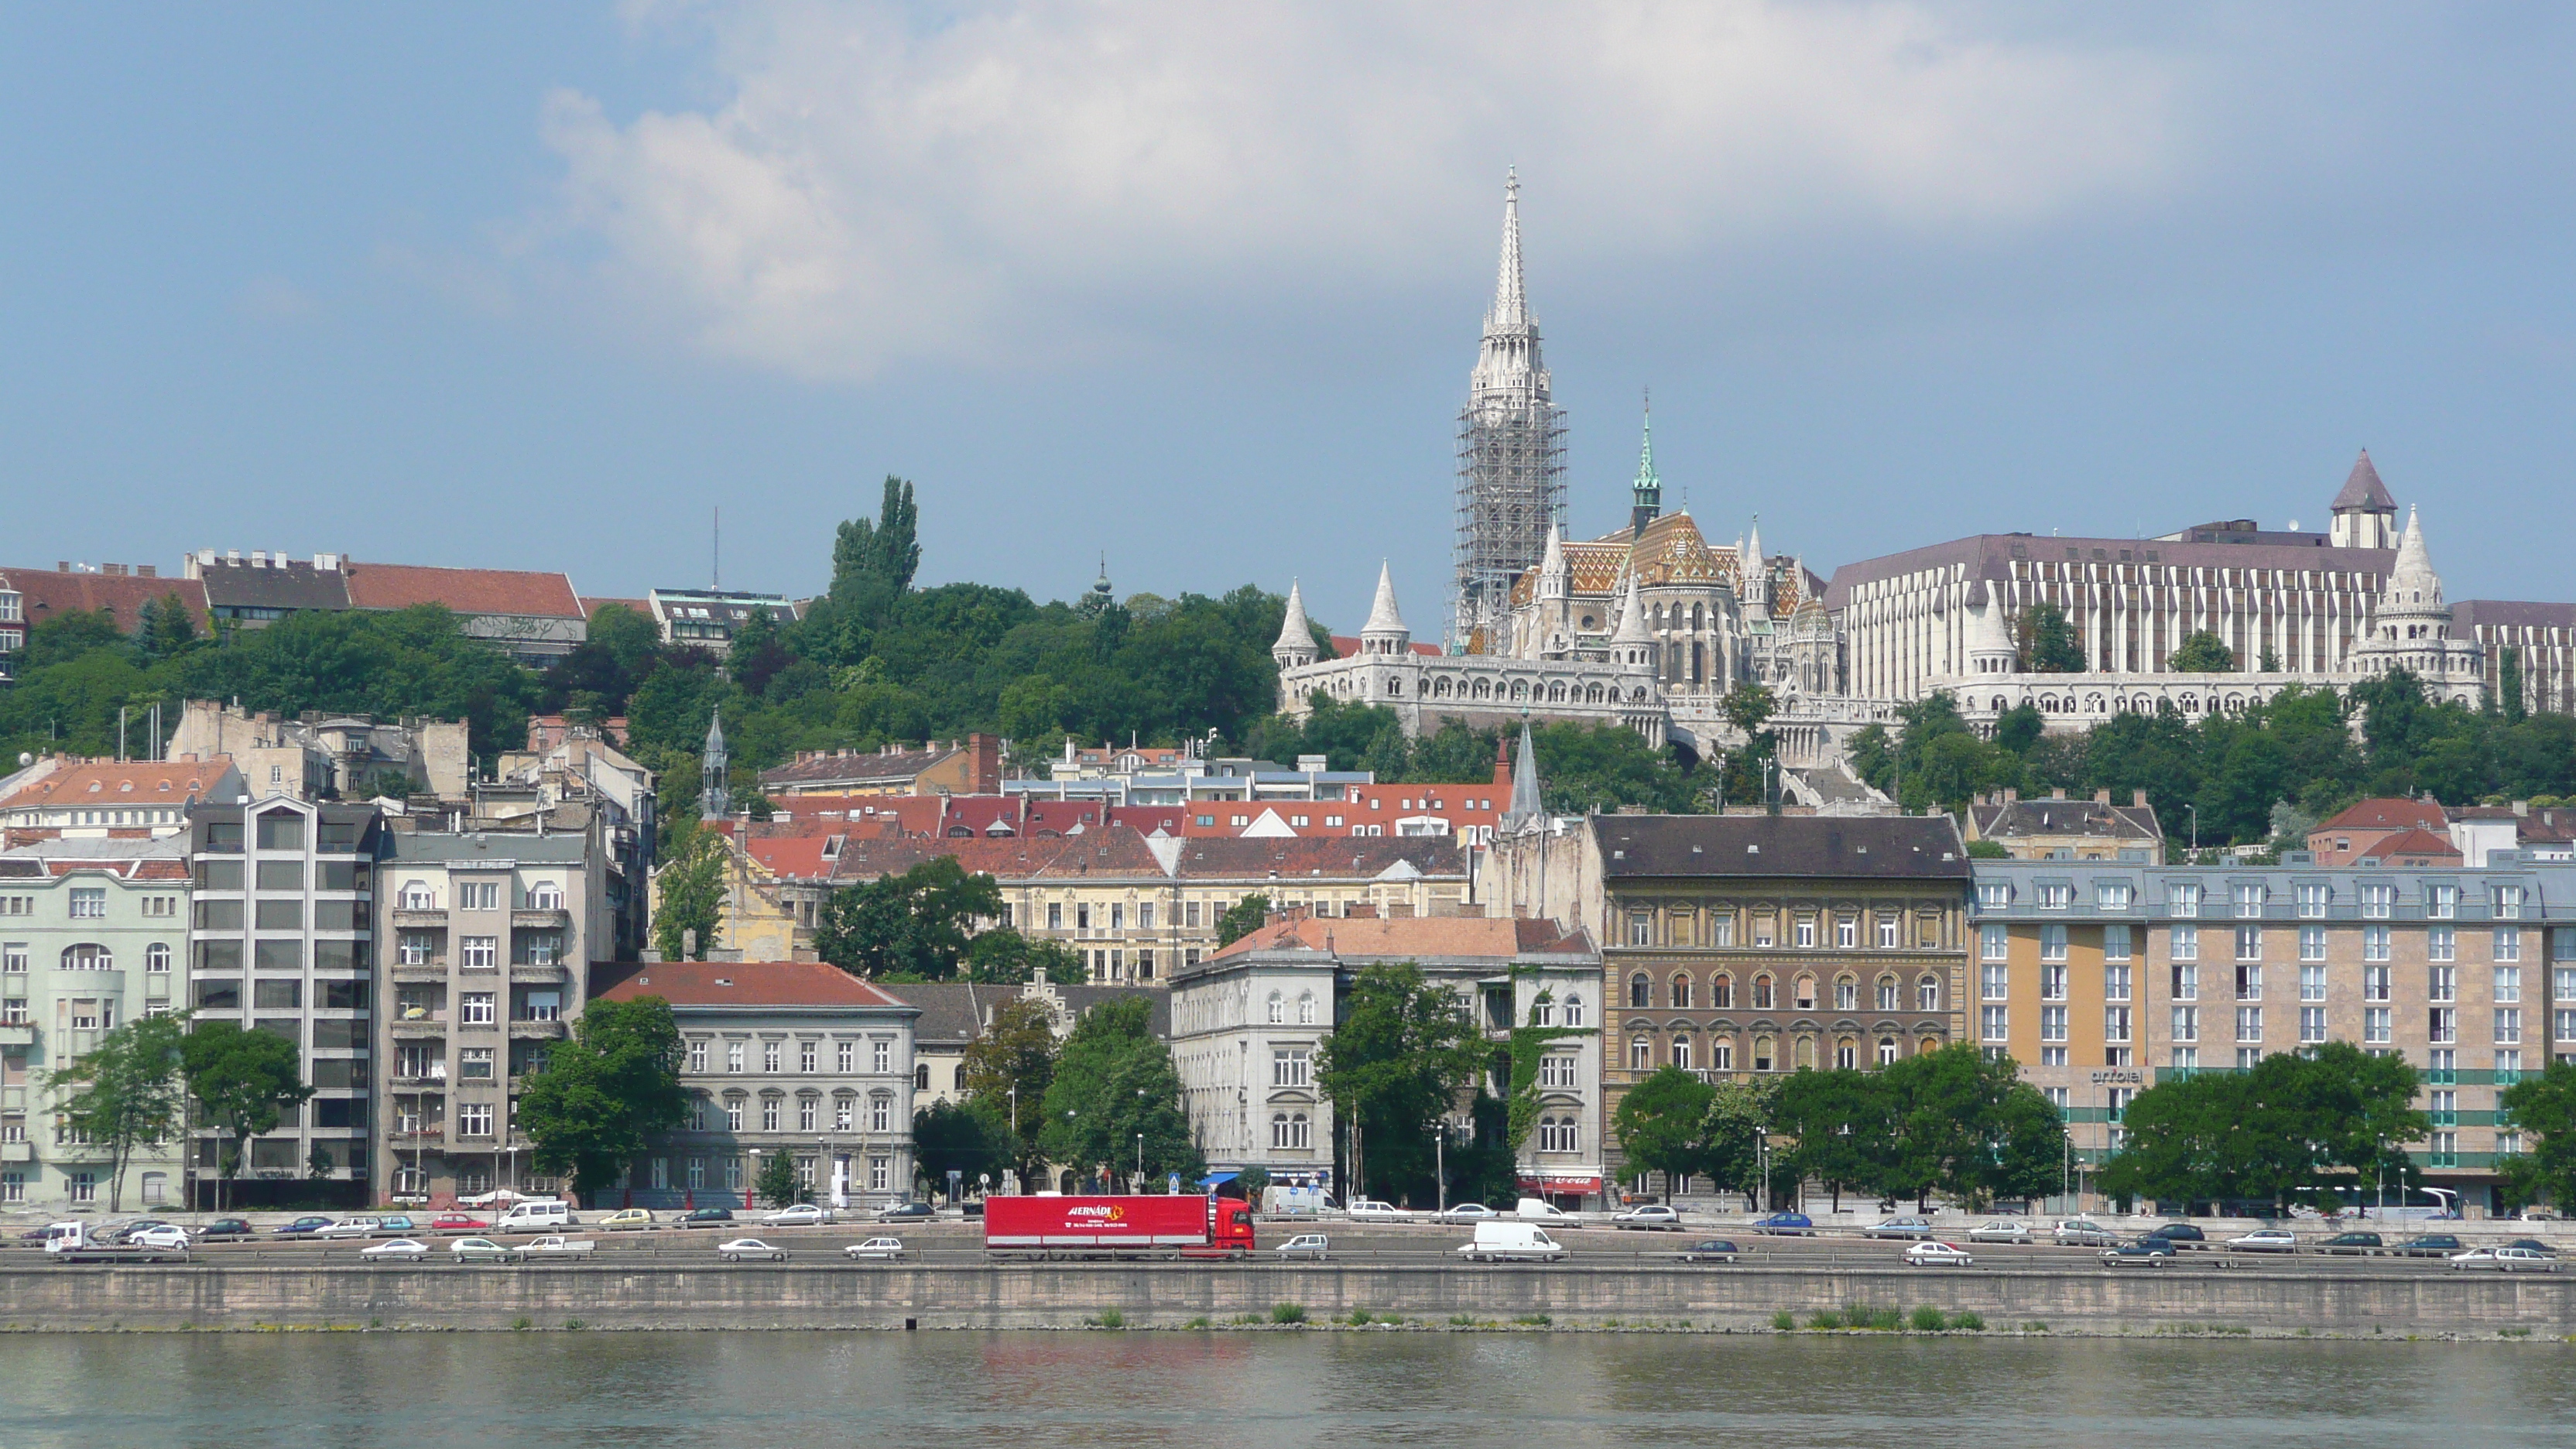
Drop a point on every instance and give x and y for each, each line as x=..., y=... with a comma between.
x=228, y=1296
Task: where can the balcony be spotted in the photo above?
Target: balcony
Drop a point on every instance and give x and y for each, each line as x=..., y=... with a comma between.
x=525, y=1030
x=434, y=1079
x=529, y=971
x=17, y=1033
x=421, y=920
x=431, y=970
x=541, y=920
x=417, y=1022
x=431, y=1135
x=20, y=1151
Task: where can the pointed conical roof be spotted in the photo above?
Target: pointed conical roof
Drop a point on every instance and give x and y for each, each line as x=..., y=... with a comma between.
x=715, y=733
x=2363, y=489
x=1754, y=560
x=1553, y=561
x=1294, y=630
x=1632, y=617
x=1383, y=617
x=1646, y=478
x=1526, y=801
x=2412, y=583
x=1511, y=303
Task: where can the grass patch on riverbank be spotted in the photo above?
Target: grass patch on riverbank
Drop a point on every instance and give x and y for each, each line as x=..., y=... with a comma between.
x=1287, y=1312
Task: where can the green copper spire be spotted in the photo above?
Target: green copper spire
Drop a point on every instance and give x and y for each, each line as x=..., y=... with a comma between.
x=1649, y=490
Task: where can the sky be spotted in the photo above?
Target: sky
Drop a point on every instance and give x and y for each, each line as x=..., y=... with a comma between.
x=1197, y=287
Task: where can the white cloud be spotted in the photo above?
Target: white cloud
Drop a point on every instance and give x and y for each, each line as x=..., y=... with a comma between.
x=872, y=189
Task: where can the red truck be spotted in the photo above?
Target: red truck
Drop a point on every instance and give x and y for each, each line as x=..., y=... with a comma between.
x=1118, y=1227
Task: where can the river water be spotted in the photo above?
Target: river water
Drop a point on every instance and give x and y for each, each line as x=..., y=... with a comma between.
x=426, y=1391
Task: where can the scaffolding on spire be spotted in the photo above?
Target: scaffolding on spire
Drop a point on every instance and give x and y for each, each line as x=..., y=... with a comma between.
x=1511, y=454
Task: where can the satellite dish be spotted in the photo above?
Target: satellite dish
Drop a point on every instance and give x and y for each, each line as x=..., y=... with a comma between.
x=25, y=759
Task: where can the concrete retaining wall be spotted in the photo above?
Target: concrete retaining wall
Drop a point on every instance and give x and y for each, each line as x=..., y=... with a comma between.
x=227, y=1296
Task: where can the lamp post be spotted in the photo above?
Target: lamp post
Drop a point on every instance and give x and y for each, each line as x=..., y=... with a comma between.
x=1140, y=1160
x=2194, y=812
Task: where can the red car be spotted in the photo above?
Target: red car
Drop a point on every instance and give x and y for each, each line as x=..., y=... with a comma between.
x=457, y=1223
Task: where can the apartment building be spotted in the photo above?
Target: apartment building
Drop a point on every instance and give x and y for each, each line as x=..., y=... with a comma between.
x=1739, y=946
x=2104, y=978
x=282, y=939
x=317, y=756
x=65, y=797
x=792, y=1057
x=93, y=935
x=488, y=932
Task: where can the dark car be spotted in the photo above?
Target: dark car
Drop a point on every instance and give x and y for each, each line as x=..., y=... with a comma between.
x=2150, y=1251
x=2431, y=1245
x=2178, y=1233
x=1712, y=1250
x=2535, y=1245
x=224, y=1228
x=2364, y=1245
x=1785, y=1223
x=304, y=1227
x=903, y=1212
x=705, y=1218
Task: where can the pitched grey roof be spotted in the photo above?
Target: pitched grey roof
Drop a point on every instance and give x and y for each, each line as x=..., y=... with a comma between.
x=1924, y=847
x=2363, y=489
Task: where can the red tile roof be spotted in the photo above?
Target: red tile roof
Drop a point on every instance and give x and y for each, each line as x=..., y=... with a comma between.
x=736, y=983
x=1346, y=645
x=1414, y=936
x=2416, y=843
x=466, y=591
x=1336, y=856
x=2388, y=813
x=107, y=782
x=640, y=606
x=50, y=594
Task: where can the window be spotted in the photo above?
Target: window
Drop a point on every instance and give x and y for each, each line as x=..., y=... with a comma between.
x=1556, y=1070
x=697, y=1056
x=2508, y=1024
x=2312, y=1025
x=2441, y=902
x=2562, y=981
x=2249, y=901
x=2115, y=983
x=2186, y=983
x=2508, y=943
x=1927, y=994
x=733, y=1114
x=1558, y=1134
x=1641, y=1055
x=2112, y=895
x=2186, y=1023
x=1991, y=983
x=156, y=959
x=1846, y=994
x=808, y=1056
x=845, y=1057
x=1291, y=1067
x=478, y=895
x=2312, y=943
x=1055, y=915
x=2312, y=901
x=1682, y=1052
x=2184, y=943
x=1681, y=991
x=1846, y=933
x=2507, y=902
x=2182, y=898
x=2563, y=1025
x=2508, y=983
x=2115, y=1023
x=88, y=956
x=2442, y=1024
x=545, y=896
x=844, y=1112
x=1641, y=929
x=2374, y=983
x=2442, y=983
x=1887, y=928
x=474, y=1064
x=2052, y=982
x=2052, y=1023
x=1992, y=942
x=736, y=1054
x=2052, y=943
x=2056, y=897
x=2375, y=1025
x=2249, y=982
x=769, y=1117
x=2249, y=1023
x=479, y=953
x=2249, y=943
x=89, y=903
x=1574, y=1011
x=2378, y=902
x=2374, y=943
x=881, y=1056
x=475, y=1008
x=1994, y=895
x=544, y=948
x=1887, y=993
x=1279, y=1008
x=1290, y=1131
x=2312, y=983
x=880, y=1113
x=1721, y=992
x=473, y=1119
x=2115, y=943
x=1990, y=1023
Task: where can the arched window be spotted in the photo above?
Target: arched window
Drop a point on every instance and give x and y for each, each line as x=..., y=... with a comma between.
x=1558, y=1134
x=156, y=957
x=1696, y=616
x=1574, y=1011
x=1887, y=993
x=733, y=1112
x=1290, y=1131
x=1641, y=1055
x=845, y=1111
x=545, y=896
x=417, y=896
x=1806, y=993
x=1762, y=1053
x=1846, y=1055
x=1682, y=990
x=1846, y=994
x=1682, y=1052
x=1806, y=1052
x=1305, y=1008
x=1721, y=992
x=1641, y=991
x=1886, y=1051
x=88, y=956
x=1278, y=1010
x=1927, y=994
x=1762, y=992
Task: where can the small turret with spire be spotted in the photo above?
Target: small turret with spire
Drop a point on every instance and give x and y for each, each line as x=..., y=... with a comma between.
x=1633, y=646
x=715, y=797
x=1647, y=493
x=1385, y=632
x=1527, y=804
x=1296, y=644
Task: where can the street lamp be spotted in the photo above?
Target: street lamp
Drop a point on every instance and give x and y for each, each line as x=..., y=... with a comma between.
x=1140, y=1159
x=2194, y=812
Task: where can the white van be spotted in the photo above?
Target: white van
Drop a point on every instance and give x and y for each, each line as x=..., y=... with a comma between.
x=1505, y=1242
x=1540, y=1210
x=69, y=1237
x=535, y=1215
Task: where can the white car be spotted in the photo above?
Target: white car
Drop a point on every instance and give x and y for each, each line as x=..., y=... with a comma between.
x=349, y=1228
x=2265, y=1240
x=1918, y=1228
x=883, y=1250
x=2506, y=1260
x=2085, y=1233
x=802, y=1215
x=1306, y=1245
x=397, y=1248
x=1370, y=1210
x=162, y=1238
x=1654, y=1217
x=1469, y=1212
x=1930, y=1254
x=478, y=1250
x=741, y=1248
x=2000, y=1231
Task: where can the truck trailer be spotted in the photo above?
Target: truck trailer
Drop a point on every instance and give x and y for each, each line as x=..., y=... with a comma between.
x=1118, y=1227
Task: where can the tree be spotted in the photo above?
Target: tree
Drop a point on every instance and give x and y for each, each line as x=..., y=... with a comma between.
x=1738, y=1120
x=124, y=1093
x=2202, y=652
x=2048, y=642
x=2508, y=685
x=1004, y=957
x=1662, y=1124
x=2328, y=1118
x=1405, y=1048
x=1843, y=1123
x=955, y=1137
x=243, y=1082
x=166, y=630
x=1957, y=1118
x=602, y=1094
x=69, y=635
x=873, y=562
x=690, y=895
x=911, y=926
x=1589, y=767
x=1016, y=1050
x=2543, y=1109
x=777, y=1183
x=1242, y=919
x=1115, y=1101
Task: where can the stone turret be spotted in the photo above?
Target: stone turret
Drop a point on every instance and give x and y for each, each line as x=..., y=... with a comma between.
x=1385, y=632
x=1295, y=647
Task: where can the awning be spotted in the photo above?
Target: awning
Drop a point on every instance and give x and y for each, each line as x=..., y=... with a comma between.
x=1215, y=1178
x=1560, y=1182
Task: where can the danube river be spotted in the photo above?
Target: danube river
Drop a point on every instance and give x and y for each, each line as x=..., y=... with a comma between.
x=429, y=1390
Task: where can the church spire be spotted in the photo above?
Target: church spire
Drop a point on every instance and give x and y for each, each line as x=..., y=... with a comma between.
x=1296, y=644
x=1511, y=303
x=1527, y=805
x=715, y=799
x=1647, y=493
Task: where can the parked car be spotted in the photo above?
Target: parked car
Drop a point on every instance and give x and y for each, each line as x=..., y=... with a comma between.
x=1540, y=1210
x=1784, y=1224
x=1899, y=1228
x=1935, y=1254
x=2506, y=1259
x=882, y=1250
x=627, y=1219
x=1364, y=1209
x=2178, y=1233
x=478, y=1250
x=1710, y=1250
x=906, y=1212
x=303, y=1227
x=556, y=1245
x=2000, y=1232
x=396, y=1248
x=160, y=1238
x=1307, y=1245
x=2147, y=1252
x=801, y=1215
x=2084, y=1233
x=704, y=1218
x=1654, y=1217
x=360, y=1227
x=2359, y=1245
x=737, y=1249
x=2536, y=1215
x=537, y=1215
x=1506, y=1241
x=2535, y=1245
x=125, y=1232
x=457, y=1223
x=226, y=1230
x=1469, y=1212
x=2265, y=1240
x=2431, y=1245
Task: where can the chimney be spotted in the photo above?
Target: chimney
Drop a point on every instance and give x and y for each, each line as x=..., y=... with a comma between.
x=2138, y=799
x=62, y=566
x=2057, y=794
x=2011, y=793
x=2522, y=808
x=2101, y=797
x=259, y=558
x=149, y=571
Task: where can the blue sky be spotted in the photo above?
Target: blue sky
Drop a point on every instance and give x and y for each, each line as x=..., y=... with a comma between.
x=541, y=286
